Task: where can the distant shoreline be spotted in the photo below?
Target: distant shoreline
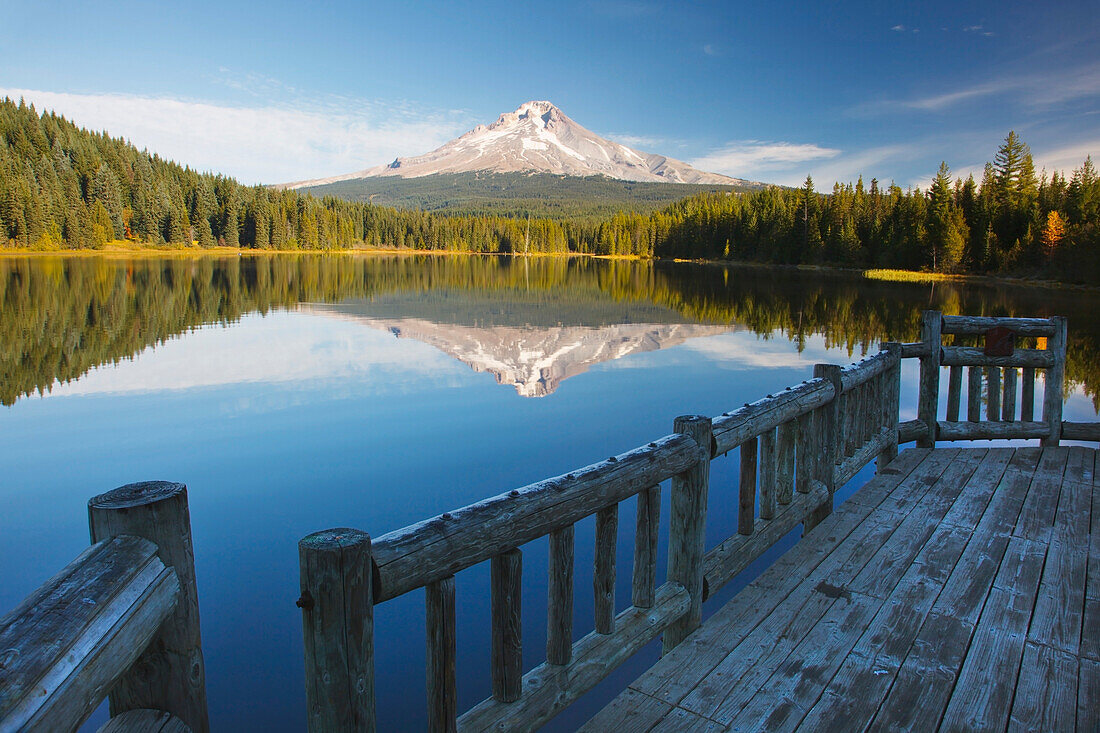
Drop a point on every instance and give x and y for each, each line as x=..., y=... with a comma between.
x=130, y=249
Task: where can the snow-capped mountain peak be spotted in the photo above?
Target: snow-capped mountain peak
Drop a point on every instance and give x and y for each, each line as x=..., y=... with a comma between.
x=539, y=138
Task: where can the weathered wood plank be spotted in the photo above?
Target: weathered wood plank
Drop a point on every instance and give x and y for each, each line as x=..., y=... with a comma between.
x=1037, y=515
x=993, y=394
x=786, y=439
x=1054, y=382
x=687, y=529
x=338, y=629
x=70, y=640
x=171, y=675
x=982, y=696
x=415, y=555
x=559, y=604
x=911, y=430
x=144, y=721
x=1008, y=403
x=603, y=577
x=631, y=711
x=549, y=688
x=1027, y=395
x=928, y=396
x=746, y=497
x=954, y=392
x=644, y=578
x=1088, y=692
x=971, y=356
x=974, y=394
x=1057, y=618
x=1089, y=431
x=992, y=430
x=978, y=325
x=439, y=599
x=734, y=428
x=506, y=645
x=1046, y=691
x=768, y=498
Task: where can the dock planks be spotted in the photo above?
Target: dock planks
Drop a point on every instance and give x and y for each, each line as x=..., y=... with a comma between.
x=958, y=590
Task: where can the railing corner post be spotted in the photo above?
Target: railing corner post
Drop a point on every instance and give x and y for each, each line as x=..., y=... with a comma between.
x=687, y=528
x=931, y=328
x=1055, y=383
x=891, y=403
x=337, y=605
x=170, y=675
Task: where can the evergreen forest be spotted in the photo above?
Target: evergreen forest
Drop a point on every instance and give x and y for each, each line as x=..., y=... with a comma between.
x=64, y=187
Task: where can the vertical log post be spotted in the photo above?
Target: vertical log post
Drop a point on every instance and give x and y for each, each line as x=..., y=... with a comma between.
x=644, y=579
x=1054, y=382
x=337, y=605
x=830, y=443
x=603, y=579
x=687, y=528
x=746, y=505
x=993, y=394
x=767, y=474
x=804, y=467
x=439, y=601
x=1008, y=403
x=786, y=437
x=974, y=394
x=170, y=675
x=506, y=664
x=891, y=404
x=559, y=611
x=929, y=398
x=954, y=392
x=1027, y=395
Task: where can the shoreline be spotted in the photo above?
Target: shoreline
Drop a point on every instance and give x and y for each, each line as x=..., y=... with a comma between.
x=119, y=249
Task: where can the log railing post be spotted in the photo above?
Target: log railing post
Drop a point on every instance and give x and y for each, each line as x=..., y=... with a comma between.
x=1027, y=395
x=1054, y=382
x=507, y=642
x=767, y=474
x=603, y=576
x=786, y=437
x=1008, y=401
x=559, y=612
x=954, y=393
x=993, y=394
x=337, y=605
x=170, y=675
x=746, y=504
x=829, y=441
x=439, y=604
x=929, y=397
x=644, y=579
x=974, y=394
x=891, y=404
x=687, y=528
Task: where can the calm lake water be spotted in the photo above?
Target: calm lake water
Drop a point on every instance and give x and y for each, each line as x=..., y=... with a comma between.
x=296, y=393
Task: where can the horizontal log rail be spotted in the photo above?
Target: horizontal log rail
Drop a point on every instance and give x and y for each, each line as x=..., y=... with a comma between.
x=122, y=618
x=979, y=325
x=968, y=356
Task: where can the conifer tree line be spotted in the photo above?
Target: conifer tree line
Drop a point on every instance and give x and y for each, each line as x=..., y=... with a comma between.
x=64, y=187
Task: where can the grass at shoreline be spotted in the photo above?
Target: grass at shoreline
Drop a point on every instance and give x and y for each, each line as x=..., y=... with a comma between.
x=121, y=248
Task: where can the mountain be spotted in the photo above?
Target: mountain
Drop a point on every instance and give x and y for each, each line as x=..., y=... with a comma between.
x=537, y=138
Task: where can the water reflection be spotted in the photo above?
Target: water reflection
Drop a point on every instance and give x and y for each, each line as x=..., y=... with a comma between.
x=532, y=323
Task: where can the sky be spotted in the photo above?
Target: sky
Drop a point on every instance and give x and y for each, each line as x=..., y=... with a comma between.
x=766, y=91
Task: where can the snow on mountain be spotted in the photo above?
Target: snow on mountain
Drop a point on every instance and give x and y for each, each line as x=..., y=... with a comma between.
x=538, y=137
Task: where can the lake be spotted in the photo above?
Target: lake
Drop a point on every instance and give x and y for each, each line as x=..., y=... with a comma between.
x=294, y=393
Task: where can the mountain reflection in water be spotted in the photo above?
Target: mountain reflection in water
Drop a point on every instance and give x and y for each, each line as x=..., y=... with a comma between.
x=531, y=322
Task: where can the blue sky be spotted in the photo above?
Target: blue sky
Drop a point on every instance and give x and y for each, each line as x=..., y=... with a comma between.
x=768, y=91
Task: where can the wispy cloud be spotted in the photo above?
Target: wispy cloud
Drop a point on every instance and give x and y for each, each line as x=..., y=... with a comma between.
x=898, y=28
x=646, y=143
x=749, y=158
x=1029, y=90
x=710, y=50
x=265, y=142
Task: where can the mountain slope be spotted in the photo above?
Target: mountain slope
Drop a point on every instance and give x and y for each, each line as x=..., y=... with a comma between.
x=537, y=137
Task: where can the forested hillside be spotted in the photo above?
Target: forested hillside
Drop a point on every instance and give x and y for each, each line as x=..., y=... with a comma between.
x=63, y=187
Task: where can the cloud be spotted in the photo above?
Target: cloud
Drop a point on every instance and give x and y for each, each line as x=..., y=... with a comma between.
x=710, y=50
x=647, y=143
x=898, y=29
x=747, y=158
x=1068, y=158
x=262, y=143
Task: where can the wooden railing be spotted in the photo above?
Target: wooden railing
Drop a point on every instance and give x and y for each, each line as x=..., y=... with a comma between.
x=120, y=621
x=796, y=448
x=1000, y=380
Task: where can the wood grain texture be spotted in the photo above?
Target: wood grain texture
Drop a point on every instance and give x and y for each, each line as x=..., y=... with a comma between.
x=506, y=645
x=171, y=674
x=439, y=620
x=746, y=496
x=954, y=392
x=603, y=577
x=992, y=430
x=786, y=440
x=978, y=325
x=644, y=578
x=144, y=721
x=1027, y=395
x=338, y=629
x=928, y=396
x=767, y=462
x=993, y=394
x=1054, y=383
x=971, y=356
x=687, y=530
x=974, y=394
x=559, y=602
x=1008, y=398
x=734, y=428
x=72, y=639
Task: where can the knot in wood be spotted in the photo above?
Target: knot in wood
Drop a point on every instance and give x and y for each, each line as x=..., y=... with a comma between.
x=612, y=459
x=513, y=492
x=305, y=601
x=446, y=516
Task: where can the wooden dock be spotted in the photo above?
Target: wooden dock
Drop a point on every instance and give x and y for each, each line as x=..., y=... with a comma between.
x=957, y=590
